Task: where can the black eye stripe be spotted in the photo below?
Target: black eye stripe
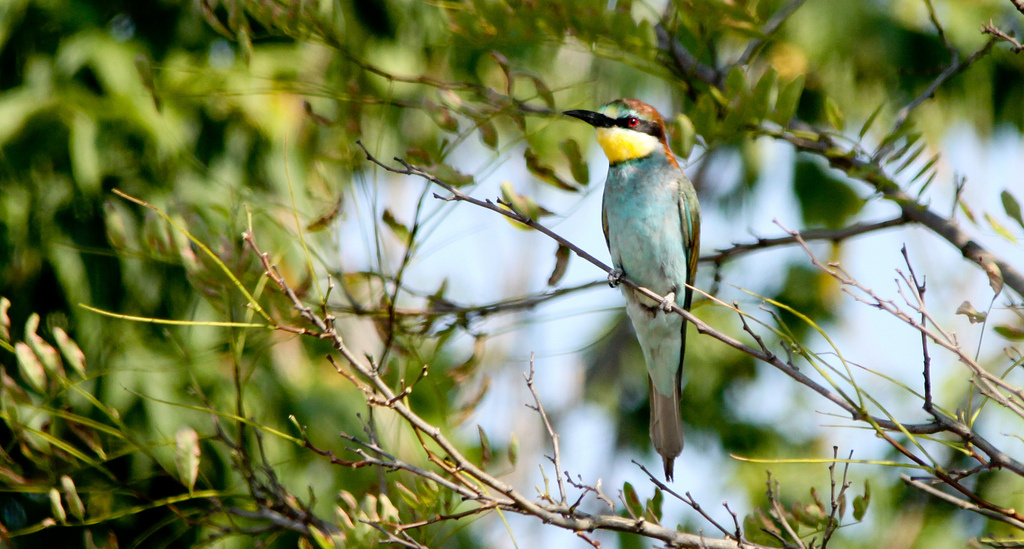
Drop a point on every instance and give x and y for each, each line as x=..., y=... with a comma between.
x=644, y=126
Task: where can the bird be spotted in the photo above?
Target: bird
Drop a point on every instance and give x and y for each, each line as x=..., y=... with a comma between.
x=651, y=221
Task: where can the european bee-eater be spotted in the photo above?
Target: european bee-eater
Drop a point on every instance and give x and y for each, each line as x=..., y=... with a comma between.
x=651, y=223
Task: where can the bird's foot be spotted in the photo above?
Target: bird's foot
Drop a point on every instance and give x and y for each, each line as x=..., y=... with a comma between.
x=668, y=303
x=615, y=277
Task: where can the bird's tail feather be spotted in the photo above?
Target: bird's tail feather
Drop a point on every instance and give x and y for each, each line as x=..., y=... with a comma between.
x=666, y=427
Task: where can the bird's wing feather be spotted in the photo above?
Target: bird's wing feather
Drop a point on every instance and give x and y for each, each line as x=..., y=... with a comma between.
x=689, y=211
x=604, y=224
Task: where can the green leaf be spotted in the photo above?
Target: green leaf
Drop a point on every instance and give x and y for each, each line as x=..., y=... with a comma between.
x=513, y=450
x=1010, y=206
x=186, y=456
x=31, y=369
x=705, y=117
x=321, y=538
x=632, y=501
x=736, y=84
x=860, y=503
x=84, y=153
x=445, y=119
x=1010, y=332
x=562, y=255
x=56, y=508
x=927, y=166
x=577, y=165
x=871, y=120
x=450, y=175
x=520, y=203
x=762, y=99
x=546, y=173
x=72, y=353
x=789, y=99
x=488, y=134
x=544, y=92
x=823, y=198
x=46, y=354
x=485, y=445
x=654, y=506
x=860, y=506
x=686, y=135
x=909, y=159
x=71, y=495
x=5, y=320
x=399, y=229
x=1000, y=229
x=835, y=116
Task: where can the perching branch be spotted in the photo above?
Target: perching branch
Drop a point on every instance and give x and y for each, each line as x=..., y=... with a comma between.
x=762, y=354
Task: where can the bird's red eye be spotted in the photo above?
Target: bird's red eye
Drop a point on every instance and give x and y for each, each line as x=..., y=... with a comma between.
x=633, y=122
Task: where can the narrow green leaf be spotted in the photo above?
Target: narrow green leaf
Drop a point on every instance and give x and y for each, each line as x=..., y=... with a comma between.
x=321, y=538
x=871, y=120
x=562, y=255
x=546, y=173
x=927, y=166
x=577, y=165
x=1010, y=206
x=56, y=508
x=388, y=511
x=1000, y=229
x=1010, y=332
x=71, y=495
x=910, y=158
x=834, y=115
x=967, y=211
x=399, y=229
x=31, y=369
x=513, y=450
x=544, y=92
x=5, y=320
x=72, y=353
x=485, y=445
x=186, y=456
x=789, y=99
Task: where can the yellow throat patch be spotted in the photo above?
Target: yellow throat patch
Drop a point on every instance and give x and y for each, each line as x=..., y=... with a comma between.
x=620, y=144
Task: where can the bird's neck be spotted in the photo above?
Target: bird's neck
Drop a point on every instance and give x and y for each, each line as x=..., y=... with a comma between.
x=622, y=145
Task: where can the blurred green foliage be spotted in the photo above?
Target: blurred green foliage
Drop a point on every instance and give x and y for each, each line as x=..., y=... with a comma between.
x=230, y=114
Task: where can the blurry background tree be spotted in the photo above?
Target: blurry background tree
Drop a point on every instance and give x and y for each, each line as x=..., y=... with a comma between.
x=165, y=385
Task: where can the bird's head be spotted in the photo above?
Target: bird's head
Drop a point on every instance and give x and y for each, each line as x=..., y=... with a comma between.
x=627, y=129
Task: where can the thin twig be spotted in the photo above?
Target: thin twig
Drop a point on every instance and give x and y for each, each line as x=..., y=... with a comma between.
x=556, y=460
x=963, y=504
x=989, y=28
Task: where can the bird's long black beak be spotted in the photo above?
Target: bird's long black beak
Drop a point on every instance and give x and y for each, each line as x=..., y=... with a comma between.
x=595, y=119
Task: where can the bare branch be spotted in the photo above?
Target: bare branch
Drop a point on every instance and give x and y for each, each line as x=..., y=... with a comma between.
x=831, y=235
x=556, y=459
x=989, y=28
x=963, y=504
